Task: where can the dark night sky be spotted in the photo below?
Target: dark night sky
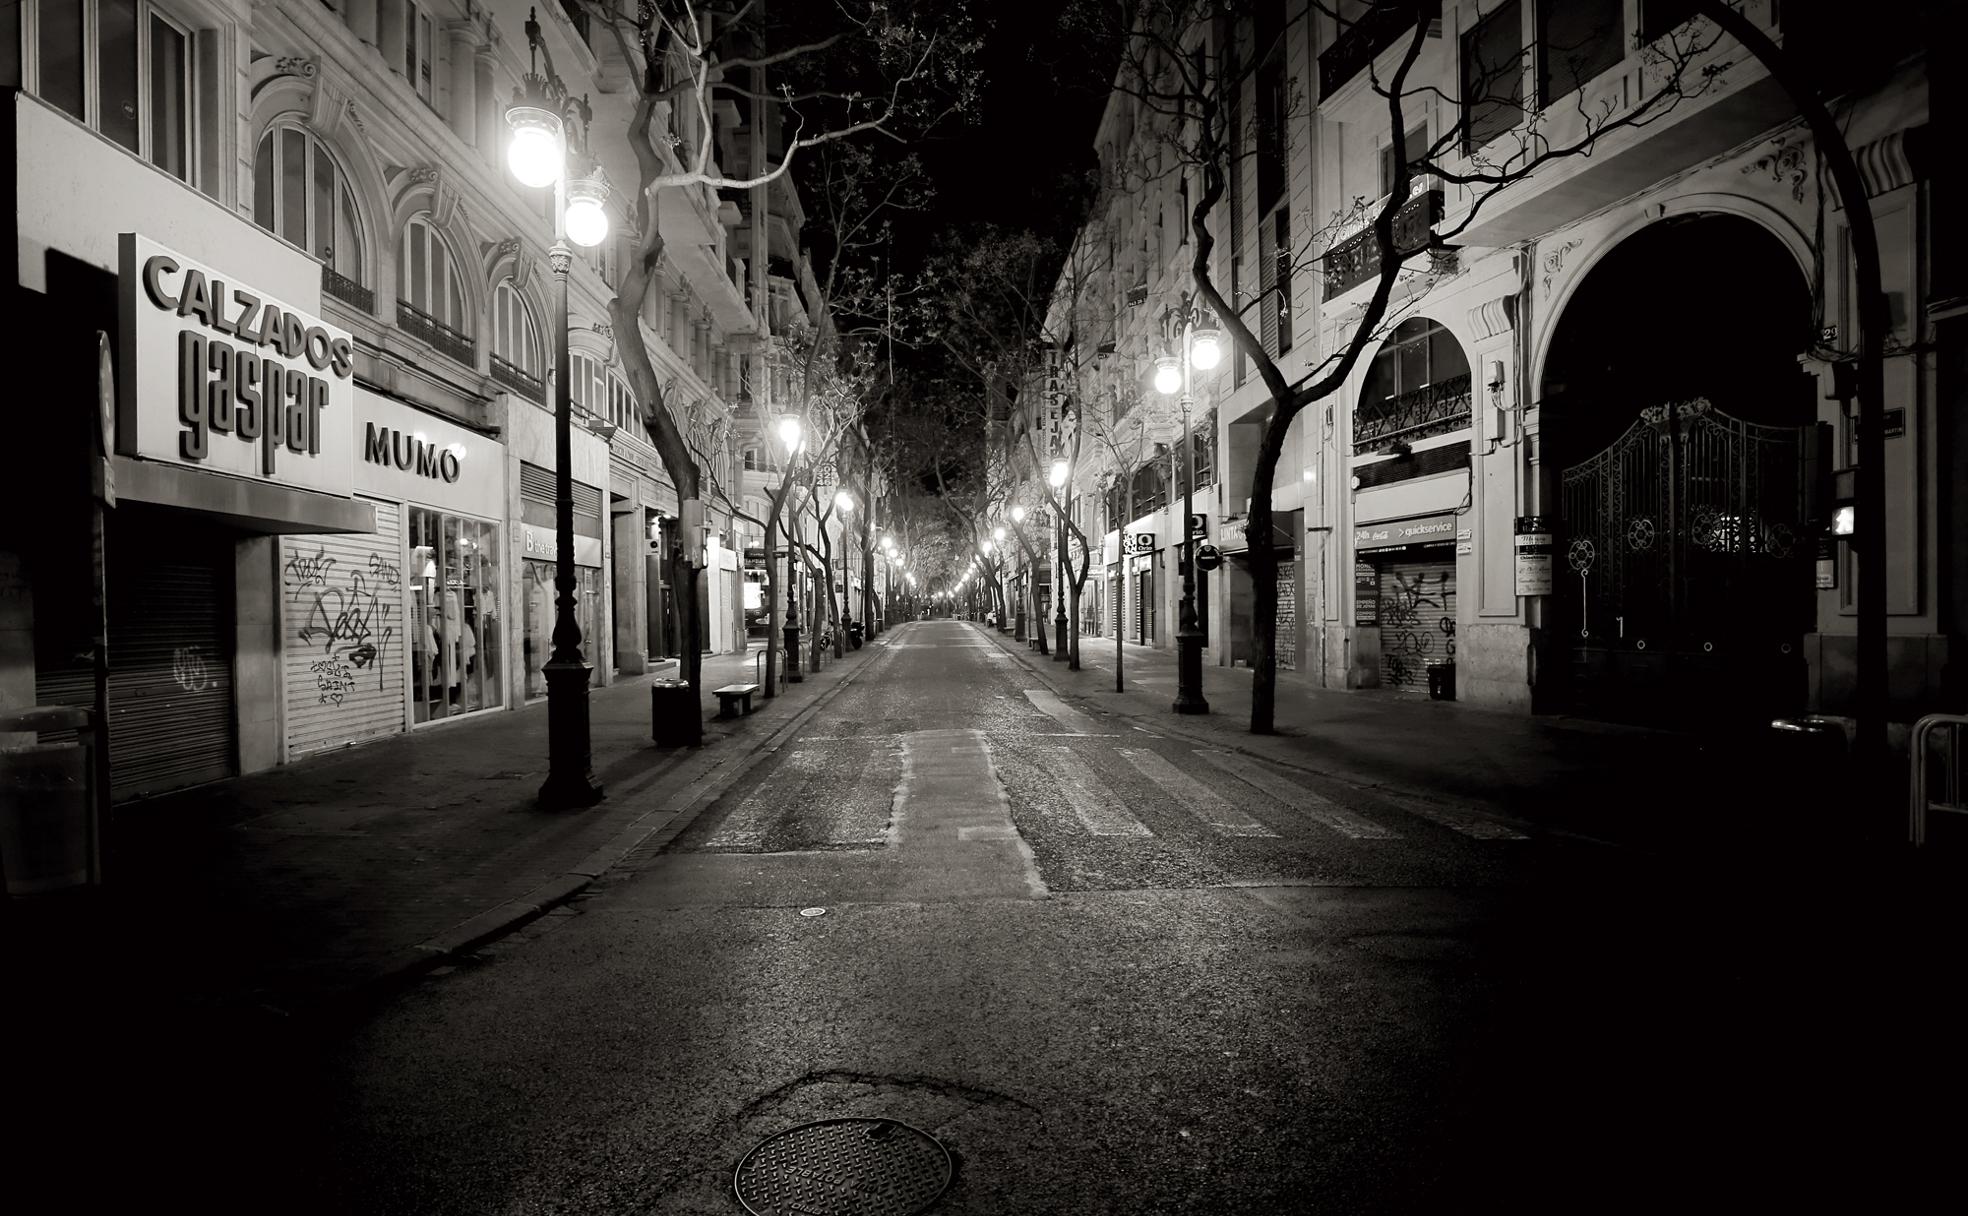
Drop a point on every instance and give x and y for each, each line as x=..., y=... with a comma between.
x=1039, y=109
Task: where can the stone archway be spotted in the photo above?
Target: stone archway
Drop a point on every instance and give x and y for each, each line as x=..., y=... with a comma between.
x=1678, y=421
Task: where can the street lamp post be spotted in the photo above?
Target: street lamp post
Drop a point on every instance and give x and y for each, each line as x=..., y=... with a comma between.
x=1199, y=345
x=1060, y=471
x=538, y=157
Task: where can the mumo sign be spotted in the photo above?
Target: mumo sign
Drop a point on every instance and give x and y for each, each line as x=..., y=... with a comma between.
x=218, y=376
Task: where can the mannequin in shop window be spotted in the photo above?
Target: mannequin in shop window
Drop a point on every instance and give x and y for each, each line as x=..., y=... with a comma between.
x=461, y=647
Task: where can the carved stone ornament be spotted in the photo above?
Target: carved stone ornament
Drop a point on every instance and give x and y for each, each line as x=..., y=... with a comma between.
x=354, y=117
x=423, y=175
x=508, y=248
x=1554, y=261
x=295, y=65
x=1783, y=160
x=561, y=258
x=604, y=329
x=1493, y=317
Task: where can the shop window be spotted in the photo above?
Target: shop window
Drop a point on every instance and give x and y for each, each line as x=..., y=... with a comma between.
x=1493, y=76
x=427, y=277
x=302, y=196
x=456, y=626
x=134, y=88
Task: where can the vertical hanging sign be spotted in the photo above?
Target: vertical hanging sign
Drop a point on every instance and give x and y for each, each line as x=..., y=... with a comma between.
x=1533, y=555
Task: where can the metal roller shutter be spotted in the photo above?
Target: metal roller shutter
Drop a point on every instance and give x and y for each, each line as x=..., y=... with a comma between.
x=342, y=639
x=1417, y=618
x=170, y=662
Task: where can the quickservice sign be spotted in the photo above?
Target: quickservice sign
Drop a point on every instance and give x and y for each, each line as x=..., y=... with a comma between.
x=219, y=377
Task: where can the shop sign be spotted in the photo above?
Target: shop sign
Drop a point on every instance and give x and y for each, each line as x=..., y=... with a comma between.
x=537, y=544
x=410, y=456
x=1137, y=543
x=217, y=376
x=1199, y=526
x=1429, y=529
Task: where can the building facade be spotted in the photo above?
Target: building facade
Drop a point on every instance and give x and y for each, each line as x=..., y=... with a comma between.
x=327, y=426
x=1592, y=460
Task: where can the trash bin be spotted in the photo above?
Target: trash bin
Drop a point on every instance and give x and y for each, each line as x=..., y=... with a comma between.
x=1808, y=760
x=1442, y=680
x=675, y=717
x=44, y=817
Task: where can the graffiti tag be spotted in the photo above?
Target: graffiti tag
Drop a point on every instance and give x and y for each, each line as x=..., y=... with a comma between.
x=332, y=680
x=189, y=670
x=309, y=571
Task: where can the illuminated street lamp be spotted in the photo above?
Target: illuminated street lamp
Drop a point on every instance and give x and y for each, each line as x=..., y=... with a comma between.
x=541, y=118
x=1199, y=346
x=1061, y=470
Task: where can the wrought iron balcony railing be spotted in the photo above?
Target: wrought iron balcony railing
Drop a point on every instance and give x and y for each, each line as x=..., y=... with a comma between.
x=347, y=290
x=1377, y=29
x=525, y=383
x=1433, y=410
x=1357, y=258
x=420, y=324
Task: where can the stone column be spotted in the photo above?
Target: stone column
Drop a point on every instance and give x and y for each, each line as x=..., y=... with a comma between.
x=491, y=114
x=679, y=335
x=461, y=79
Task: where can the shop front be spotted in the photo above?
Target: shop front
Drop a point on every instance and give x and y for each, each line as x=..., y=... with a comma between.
x=221, y=413
x=401, y=626
x=1404, y=600
x=538, y=567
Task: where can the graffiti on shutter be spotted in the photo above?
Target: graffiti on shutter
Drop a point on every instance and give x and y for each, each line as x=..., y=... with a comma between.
x=342, y=637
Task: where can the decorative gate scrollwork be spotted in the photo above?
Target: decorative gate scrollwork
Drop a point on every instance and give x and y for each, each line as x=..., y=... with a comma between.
x=1685, y=537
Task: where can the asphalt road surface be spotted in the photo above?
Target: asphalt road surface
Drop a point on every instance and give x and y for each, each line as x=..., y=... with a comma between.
x=1112, y=972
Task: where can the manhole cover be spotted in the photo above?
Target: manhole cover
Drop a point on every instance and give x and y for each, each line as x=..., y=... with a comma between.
x=844, y=1167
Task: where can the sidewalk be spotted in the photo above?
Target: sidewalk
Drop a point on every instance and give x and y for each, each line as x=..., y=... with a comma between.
x=316, y=884
x=1580, y=777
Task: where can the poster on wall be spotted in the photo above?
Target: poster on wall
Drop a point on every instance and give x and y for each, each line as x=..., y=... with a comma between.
x=1366, y=594
x=1533, y=555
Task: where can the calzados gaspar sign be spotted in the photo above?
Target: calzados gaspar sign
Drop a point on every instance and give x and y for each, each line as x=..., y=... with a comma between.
x=219, y=376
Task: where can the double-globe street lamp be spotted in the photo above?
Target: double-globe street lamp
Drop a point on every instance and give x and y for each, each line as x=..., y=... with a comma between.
x=1017, y=518
x=1199, y=345
x=541, y=118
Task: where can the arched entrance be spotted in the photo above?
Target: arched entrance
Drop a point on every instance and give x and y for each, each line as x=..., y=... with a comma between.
x=1678, y=421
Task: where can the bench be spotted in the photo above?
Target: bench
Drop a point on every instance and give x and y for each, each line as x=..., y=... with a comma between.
x=734, y=694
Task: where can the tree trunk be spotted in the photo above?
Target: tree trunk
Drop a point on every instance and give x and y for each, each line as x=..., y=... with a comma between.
x=774, y=618
x=1264, y=583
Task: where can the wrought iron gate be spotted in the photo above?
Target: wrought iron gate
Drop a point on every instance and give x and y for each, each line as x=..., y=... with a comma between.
x=1691, y=568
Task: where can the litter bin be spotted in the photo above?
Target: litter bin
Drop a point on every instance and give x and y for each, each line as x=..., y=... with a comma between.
x=44, y=817
x=1442, y=680
x=1808, y=758
x=675, y=717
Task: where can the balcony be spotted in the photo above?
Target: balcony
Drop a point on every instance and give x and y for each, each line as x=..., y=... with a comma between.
x=448, y=341
x=1434, y=409
x=1357, y=258
x=1380, y=27
x=522, y=382
x=347, y=290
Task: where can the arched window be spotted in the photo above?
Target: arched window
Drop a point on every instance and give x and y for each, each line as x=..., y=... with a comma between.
x=1417, y=385
x=427, y=275
x=516, y=357
x=302, y=196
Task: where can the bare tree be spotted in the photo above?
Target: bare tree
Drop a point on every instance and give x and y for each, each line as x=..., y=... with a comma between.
x=870, y=68
x=1186, y=65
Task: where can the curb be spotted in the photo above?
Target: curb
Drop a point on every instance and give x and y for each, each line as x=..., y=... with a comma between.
x=652, y=831
x=1353, y=780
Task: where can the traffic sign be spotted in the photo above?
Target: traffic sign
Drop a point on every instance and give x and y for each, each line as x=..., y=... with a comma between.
x=1208, y=557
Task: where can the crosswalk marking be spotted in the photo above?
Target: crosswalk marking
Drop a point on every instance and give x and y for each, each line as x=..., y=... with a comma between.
x=1209, y=806
x=745, y=827
x=1457, y=820
x=1092, y=806
x=1291, y=793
